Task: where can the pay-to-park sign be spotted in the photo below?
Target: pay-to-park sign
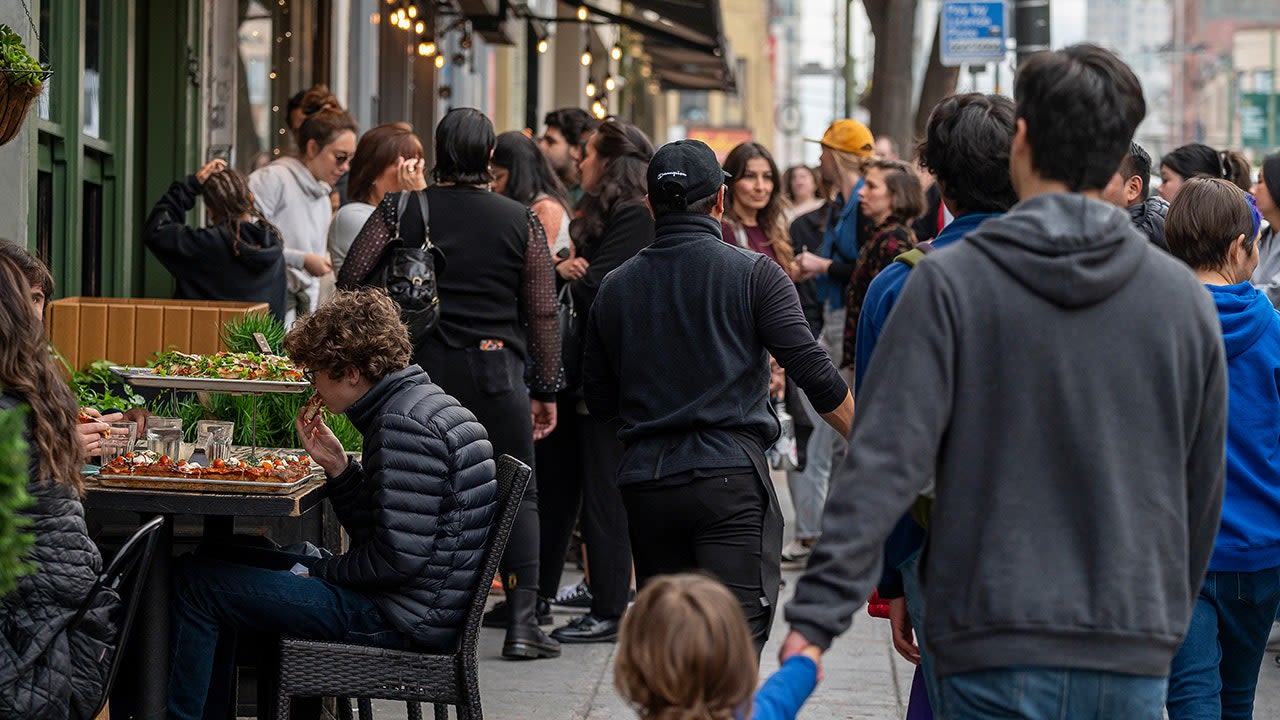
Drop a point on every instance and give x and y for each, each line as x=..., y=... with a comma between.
x=973, y=33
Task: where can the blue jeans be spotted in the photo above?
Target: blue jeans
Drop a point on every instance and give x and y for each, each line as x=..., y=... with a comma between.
x=1215, y=672
x=213, y=600
x=1041, y=693
x=910, y=569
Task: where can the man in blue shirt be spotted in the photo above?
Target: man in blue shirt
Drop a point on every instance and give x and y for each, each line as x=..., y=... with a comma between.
x=966, y=148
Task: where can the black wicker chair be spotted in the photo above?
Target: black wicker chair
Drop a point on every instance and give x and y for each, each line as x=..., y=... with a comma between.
x=323, y=669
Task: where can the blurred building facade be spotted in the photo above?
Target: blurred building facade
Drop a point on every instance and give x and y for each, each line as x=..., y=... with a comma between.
x=144, y=91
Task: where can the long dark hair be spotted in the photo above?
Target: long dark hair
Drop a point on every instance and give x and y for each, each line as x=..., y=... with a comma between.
x=626, y=151
x=1200, y=160
x=770, y=217
x=529, y=172
x=464, y=143
x=227, y=197
x=29, y=371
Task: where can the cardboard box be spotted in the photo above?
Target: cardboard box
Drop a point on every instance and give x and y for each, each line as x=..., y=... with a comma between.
x=130, y=331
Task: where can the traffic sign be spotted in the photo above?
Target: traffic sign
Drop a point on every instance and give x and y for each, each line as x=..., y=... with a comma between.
x=973, y=33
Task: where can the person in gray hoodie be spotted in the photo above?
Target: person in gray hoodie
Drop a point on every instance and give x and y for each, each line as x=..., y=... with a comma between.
x=1073, y=424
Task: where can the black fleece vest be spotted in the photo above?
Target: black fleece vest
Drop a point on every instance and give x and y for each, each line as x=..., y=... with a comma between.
x=694, y=375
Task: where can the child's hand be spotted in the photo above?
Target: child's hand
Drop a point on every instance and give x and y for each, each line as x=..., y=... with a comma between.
x=797, y=644
x=215, y=165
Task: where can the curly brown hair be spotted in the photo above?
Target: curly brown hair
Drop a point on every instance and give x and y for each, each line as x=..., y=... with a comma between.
x=358, y=329
x=684, y=652
x=29, y=371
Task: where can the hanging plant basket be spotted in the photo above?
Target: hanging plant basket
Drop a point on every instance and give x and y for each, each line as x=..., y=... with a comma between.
x=21, y=81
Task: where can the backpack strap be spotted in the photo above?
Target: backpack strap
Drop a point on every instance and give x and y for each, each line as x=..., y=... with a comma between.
x=913, y=256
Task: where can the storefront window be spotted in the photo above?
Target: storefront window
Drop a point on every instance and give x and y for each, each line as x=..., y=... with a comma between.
x=254, y=110
x=93, y=37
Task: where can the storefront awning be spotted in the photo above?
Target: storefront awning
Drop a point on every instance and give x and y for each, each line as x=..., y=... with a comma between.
x=684, y=40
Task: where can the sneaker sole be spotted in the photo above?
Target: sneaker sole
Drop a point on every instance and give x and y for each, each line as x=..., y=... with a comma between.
x=611, y=638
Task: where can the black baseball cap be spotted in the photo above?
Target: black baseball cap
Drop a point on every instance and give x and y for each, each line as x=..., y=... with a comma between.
x=682, y=173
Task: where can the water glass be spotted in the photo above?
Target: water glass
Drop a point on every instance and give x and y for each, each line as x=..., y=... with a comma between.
x=164, y=436
x=214, y=436
x=119, y=440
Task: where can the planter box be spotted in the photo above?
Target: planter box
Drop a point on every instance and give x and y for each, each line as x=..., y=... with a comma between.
x=130, y=331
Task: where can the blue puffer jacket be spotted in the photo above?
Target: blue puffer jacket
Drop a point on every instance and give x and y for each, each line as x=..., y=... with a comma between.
x=418, y=509
x=46, y=672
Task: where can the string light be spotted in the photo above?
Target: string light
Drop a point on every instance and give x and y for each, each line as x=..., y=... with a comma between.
x=543, y=46
x=413, y=11
x=586, y=57
x=609, y=83
x=439, y=61
x=427, y=48
x=590, y=89
x=615, y=52
x=582, y=13
x=597, y=109
x=420, y=27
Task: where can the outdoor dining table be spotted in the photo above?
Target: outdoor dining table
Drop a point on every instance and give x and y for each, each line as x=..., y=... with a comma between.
x=219, y=511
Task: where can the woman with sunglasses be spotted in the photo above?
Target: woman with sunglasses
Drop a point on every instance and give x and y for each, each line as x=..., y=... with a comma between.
x=293, y=194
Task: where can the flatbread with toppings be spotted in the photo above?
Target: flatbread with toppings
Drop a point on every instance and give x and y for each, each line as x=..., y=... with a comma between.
x=312, y=408
x=269, y=468
x=228, y=366
x=85, y=418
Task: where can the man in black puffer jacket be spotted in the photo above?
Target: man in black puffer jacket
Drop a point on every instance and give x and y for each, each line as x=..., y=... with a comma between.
x=1130, y=188
x=418, y=510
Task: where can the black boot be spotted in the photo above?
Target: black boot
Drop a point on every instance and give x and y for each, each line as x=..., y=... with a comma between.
x=500, y=615
x=525, y=640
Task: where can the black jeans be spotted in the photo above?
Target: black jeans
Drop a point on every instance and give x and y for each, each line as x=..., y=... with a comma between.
x=490, y=383
x=585, y=459
x=712, y=524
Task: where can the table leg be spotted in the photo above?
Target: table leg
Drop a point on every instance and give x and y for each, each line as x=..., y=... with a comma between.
x=152, y=628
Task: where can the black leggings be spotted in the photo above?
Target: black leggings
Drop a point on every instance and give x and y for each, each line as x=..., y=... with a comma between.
x=580, y=469
x=490, y=383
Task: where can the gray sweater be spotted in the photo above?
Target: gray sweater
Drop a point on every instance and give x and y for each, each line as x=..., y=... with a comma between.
x=1065, y=381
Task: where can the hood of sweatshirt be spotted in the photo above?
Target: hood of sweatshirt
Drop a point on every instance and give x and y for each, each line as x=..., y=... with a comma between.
x=308, y=182
x=1245, y=314
x=259, y=248
x=1070, y=250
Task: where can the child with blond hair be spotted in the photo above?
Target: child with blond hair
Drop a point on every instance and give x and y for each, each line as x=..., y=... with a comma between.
x=685, y=653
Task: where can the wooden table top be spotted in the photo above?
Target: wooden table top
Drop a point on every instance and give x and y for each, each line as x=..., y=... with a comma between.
x=174, y=502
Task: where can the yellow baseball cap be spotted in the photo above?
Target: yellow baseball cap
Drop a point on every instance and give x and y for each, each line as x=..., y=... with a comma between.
x=848, y=136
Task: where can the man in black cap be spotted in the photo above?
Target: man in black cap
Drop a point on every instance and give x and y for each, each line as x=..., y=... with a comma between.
x=677, y=348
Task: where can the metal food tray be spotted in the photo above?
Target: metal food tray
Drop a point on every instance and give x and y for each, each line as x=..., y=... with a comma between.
x=154, y=482
x=146, y=377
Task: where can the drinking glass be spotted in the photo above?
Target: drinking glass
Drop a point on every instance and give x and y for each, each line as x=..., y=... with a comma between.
x=119, y=440
x=214, y=436
x=164, y=436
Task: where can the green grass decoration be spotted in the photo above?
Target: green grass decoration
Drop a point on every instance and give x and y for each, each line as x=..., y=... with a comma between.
x=15, y=541
x=275, y=411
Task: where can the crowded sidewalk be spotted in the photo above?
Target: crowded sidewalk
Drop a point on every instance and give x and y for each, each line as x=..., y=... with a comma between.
x=865, y=678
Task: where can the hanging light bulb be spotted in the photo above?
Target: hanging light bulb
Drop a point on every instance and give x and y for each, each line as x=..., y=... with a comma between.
x=609, y=83
x=439, y=61
x=413, y=11
x=590, y=89
x=615, y=52
x=543, y=46
x=586, y=57
x=597, y=109
x=405, y=22
x=427, y=48
x=419, y=27
x=582, y=13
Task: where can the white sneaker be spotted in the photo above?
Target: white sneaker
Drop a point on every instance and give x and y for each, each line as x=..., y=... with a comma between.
x=796, y=551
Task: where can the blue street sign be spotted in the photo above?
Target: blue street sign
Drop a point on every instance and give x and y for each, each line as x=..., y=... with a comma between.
x=972, y=32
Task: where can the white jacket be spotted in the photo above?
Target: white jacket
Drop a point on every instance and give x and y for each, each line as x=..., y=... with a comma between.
x=298, y=204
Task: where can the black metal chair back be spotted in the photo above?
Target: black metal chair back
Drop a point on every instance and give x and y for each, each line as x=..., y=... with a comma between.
x=311, y=668
x=125, y=575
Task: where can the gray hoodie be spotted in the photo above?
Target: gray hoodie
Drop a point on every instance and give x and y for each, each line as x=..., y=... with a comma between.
x=1065, y=381
x=298, y=205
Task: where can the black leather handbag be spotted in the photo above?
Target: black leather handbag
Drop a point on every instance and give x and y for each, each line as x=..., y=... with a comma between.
x=408, y=271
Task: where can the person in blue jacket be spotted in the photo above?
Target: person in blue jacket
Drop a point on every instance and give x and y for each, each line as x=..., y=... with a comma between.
x=1213, y=226
x=684, y=650
x=966, y=147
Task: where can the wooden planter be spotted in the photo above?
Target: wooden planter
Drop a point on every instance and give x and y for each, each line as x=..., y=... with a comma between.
x=15, y=102
x=130, y=331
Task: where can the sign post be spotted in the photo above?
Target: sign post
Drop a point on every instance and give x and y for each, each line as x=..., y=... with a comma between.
x=973, y=33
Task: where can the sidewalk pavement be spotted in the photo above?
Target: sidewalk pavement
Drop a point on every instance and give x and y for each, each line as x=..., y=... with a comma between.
x=865, y=678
